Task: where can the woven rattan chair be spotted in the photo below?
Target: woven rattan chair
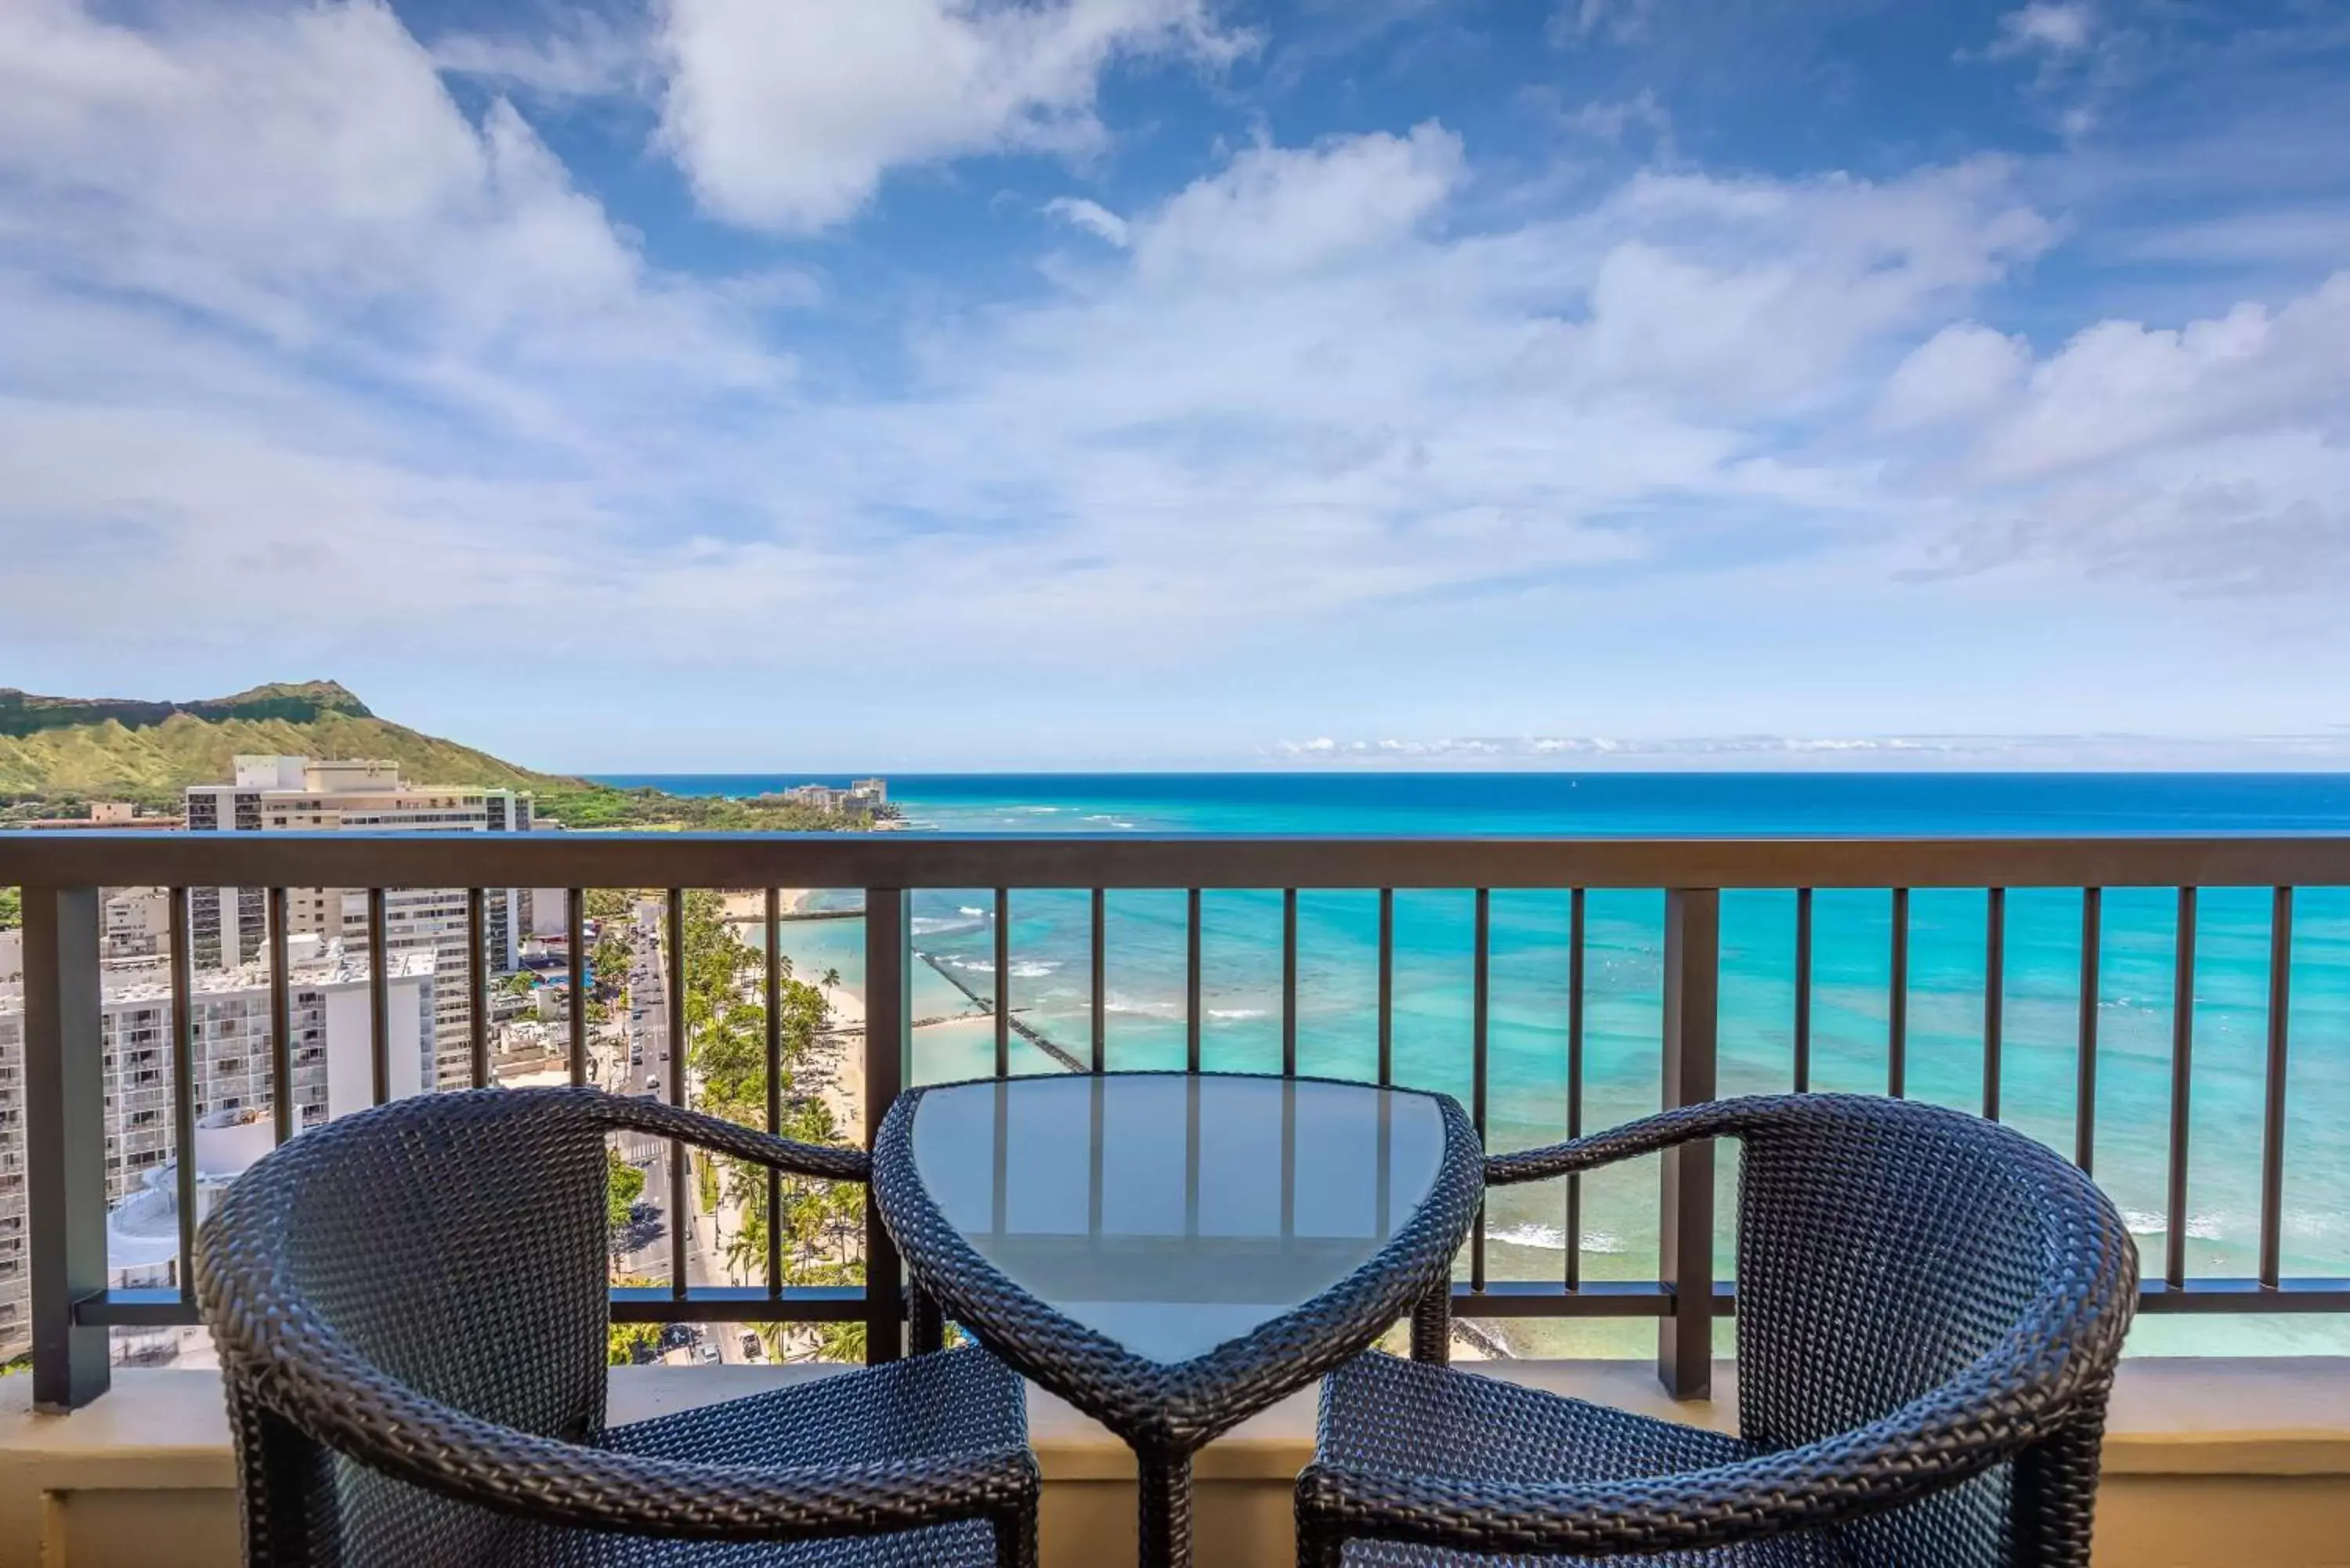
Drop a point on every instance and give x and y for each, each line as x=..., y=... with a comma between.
x=1929, y=1308
x=411, y=1310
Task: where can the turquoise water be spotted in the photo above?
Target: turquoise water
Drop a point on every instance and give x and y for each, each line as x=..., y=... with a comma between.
x=1338, y=967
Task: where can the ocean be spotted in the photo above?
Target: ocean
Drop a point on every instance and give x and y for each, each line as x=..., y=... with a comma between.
x=1337, y=966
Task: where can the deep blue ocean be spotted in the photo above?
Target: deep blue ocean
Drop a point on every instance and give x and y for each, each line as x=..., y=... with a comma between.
x=1337, y=959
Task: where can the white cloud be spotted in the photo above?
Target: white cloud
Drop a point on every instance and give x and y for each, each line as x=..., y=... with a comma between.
x=1739, y=296
x=2210, y=457
x=587, y=56
x=786, y=114
x=2260, y=517
x=289, y=341
x=2056, y=26
x=1615, y=21
x=1306, y=387
x=2121, y=387
x=1091, y=216
x=1607, y=121
x=283, y=334
x=305, y=177
x=1278, y=211
x=1964, y=369
x=1837, y=753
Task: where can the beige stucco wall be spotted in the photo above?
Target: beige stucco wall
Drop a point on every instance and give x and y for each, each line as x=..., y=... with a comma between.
x=2207, y=1463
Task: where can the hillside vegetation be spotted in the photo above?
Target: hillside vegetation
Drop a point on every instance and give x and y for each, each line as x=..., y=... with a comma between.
x=57, y=753
x=68, y=748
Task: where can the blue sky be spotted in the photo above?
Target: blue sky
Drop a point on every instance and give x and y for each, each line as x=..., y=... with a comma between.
x=773, y=384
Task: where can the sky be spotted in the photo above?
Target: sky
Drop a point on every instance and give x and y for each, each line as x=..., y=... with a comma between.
x=954, y=384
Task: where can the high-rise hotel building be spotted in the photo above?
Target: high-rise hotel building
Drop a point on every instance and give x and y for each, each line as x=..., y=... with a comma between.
x=229, y=926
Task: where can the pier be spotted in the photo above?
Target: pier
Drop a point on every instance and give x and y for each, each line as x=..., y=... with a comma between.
x=987, y=1004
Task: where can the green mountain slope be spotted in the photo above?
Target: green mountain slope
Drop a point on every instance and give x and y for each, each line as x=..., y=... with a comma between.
x=57, y=753
x=58, y=748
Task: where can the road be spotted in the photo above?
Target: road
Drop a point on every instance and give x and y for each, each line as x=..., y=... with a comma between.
x=646, y=1076
x=647, y=1007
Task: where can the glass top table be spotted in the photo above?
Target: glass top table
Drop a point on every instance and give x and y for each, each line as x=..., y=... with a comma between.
x=1173, y=1252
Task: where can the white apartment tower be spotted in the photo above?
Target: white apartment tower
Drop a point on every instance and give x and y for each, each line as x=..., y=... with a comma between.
x=228, y=926
x=330, y=1049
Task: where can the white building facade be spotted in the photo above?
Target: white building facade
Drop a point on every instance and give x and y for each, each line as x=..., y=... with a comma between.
x=229, y=926
x=332, y=1060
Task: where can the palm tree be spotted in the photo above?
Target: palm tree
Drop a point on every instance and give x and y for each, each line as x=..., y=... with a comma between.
x=831, y=979
x=747, y=1250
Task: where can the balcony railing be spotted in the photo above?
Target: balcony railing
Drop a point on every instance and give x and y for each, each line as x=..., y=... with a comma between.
x=73, y=1309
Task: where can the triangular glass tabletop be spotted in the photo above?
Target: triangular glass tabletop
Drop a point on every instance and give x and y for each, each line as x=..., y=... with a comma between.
x=1169, y=1212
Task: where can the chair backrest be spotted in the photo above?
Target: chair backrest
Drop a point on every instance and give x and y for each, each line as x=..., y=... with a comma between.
x=1887, y=1249
x=454, y=1244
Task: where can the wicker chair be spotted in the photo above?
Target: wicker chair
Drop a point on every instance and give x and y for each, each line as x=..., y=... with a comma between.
x=1929, y=1308
x=411, y=1310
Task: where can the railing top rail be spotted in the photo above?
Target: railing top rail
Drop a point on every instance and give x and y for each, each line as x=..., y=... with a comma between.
x=60, y=859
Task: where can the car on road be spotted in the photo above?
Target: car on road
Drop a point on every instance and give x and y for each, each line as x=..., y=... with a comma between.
x=653, y=1083
x=707, y=1354
x=752, y=1349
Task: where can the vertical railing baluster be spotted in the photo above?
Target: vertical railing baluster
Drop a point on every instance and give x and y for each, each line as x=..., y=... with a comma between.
x=999, y=1208
x=681, y=1196
x=773, y=991
x=281, y=1020
x=1101, y=973
x=575, y=947
x=889, y=1065
x=1288, y=1164
x=1897, y=1017
x=1387, y=986
x=1692, y=981
x=1803, y=991
x=1480, y=1014
x=380, y=1000
x=1289, y=982
x=1094, y=1093
x=64, y=1141
x=1004, y=983
x=183, y=1087
x=1575, y=978
x=1191, y=1156
x=1191, y=983
x=2273, y=1117
x=477, y=985
x=1994, y=995
x=2084, y=1090
x=2182, y=1079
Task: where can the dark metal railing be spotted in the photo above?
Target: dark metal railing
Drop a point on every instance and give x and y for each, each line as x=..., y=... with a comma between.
x=62, y=874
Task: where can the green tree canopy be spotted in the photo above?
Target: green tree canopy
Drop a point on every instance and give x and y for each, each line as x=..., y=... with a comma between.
x=623, y=1184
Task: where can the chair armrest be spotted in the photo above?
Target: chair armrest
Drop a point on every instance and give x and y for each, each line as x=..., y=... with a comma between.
x=1645, y=1135
x=1933, y=1443
x=824, y=1160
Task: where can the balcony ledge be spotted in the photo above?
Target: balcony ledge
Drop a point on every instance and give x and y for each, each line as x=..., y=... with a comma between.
x=2202, y=1458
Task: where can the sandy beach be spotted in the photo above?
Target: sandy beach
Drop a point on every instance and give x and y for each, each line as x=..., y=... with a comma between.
x=840, y=1049
x=750, y=904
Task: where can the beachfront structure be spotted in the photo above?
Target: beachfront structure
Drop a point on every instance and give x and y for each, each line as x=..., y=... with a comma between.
x=862, y=794
x=330, y=1054
x=229, y=926
x=824, y=797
